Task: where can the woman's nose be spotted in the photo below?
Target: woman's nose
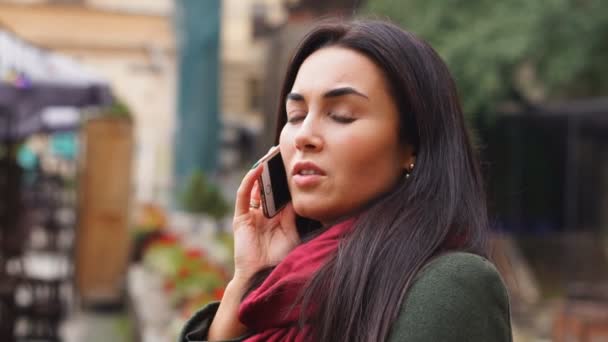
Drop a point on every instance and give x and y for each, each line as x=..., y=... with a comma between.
x=308, y=137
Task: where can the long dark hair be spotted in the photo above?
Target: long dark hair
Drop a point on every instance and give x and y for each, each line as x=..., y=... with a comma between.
x=358, y=293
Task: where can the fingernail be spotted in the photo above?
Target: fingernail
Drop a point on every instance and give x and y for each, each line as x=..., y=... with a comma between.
x=256, y=164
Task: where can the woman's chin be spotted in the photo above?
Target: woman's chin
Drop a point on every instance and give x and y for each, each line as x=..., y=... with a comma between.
x=317, y=213
x=313, y=212
x=325, y=213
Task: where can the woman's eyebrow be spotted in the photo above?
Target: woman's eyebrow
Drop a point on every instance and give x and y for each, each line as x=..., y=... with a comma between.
x=344, y=91
x=295, y=97
x=332, y=93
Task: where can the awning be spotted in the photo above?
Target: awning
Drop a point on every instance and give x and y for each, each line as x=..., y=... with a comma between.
x=32, y=79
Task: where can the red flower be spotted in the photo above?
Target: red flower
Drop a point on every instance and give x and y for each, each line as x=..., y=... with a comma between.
x=164, y=239
x=183, y=272
x=193, y=253
x=169, y=286
x=218, y=293
x=167, y=239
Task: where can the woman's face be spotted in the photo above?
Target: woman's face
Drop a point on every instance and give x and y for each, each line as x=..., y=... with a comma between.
x=340, y=144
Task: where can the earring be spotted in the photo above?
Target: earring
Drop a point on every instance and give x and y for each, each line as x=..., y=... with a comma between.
x=407, y=172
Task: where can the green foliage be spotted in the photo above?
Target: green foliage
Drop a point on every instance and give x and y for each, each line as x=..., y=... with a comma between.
x=118, y=109
x=202, y=197
x=187, y=273
x=515, y=50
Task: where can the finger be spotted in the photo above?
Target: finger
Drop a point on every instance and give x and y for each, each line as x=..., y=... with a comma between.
x=255, y=192
x=243, y=194
x=270, y=150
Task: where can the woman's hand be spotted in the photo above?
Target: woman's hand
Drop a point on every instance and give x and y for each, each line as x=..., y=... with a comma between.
x=259, y=242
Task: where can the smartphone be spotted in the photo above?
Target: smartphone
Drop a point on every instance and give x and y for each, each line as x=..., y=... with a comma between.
x=274, y=190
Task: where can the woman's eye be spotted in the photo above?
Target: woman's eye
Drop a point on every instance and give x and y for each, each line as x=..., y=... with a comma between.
x=341, y=118
x=295, y=118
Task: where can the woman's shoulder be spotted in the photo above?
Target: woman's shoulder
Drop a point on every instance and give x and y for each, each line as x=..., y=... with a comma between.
x=457, y=296
x=459, y=276
x=456, y=265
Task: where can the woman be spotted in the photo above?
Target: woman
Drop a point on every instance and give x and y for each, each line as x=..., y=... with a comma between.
x=381, y=166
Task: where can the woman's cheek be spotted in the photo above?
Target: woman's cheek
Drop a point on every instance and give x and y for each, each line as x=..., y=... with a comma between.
x=282, y=136
x=284, y=140
x=286, y=146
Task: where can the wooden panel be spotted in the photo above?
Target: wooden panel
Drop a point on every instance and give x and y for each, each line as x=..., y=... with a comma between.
x=105, y=189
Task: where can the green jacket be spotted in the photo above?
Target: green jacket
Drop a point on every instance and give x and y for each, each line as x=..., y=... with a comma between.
x=457, y=297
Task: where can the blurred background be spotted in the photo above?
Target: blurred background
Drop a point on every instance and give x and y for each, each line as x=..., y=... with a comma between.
x=126, y=127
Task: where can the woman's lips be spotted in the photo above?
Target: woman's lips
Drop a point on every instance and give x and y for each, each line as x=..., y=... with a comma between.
x=305, y=181
x=307, y=174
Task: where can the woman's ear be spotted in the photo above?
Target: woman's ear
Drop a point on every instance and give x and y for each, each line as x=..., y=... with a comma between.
x=410, y=158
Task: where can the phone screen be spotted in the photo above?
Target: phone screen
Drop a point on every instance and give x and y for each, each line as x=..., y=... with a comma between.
x=278, y=177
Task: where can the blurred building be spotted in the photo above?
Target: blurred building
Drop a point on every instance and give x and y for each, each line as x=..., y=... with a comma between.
x=131, y=44
x=244, y=53
x=280, y=44
x=240, y=76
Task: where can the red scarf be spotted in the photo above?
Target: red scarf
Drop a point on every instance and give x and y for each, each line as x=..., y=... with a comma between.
x=266, y=310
